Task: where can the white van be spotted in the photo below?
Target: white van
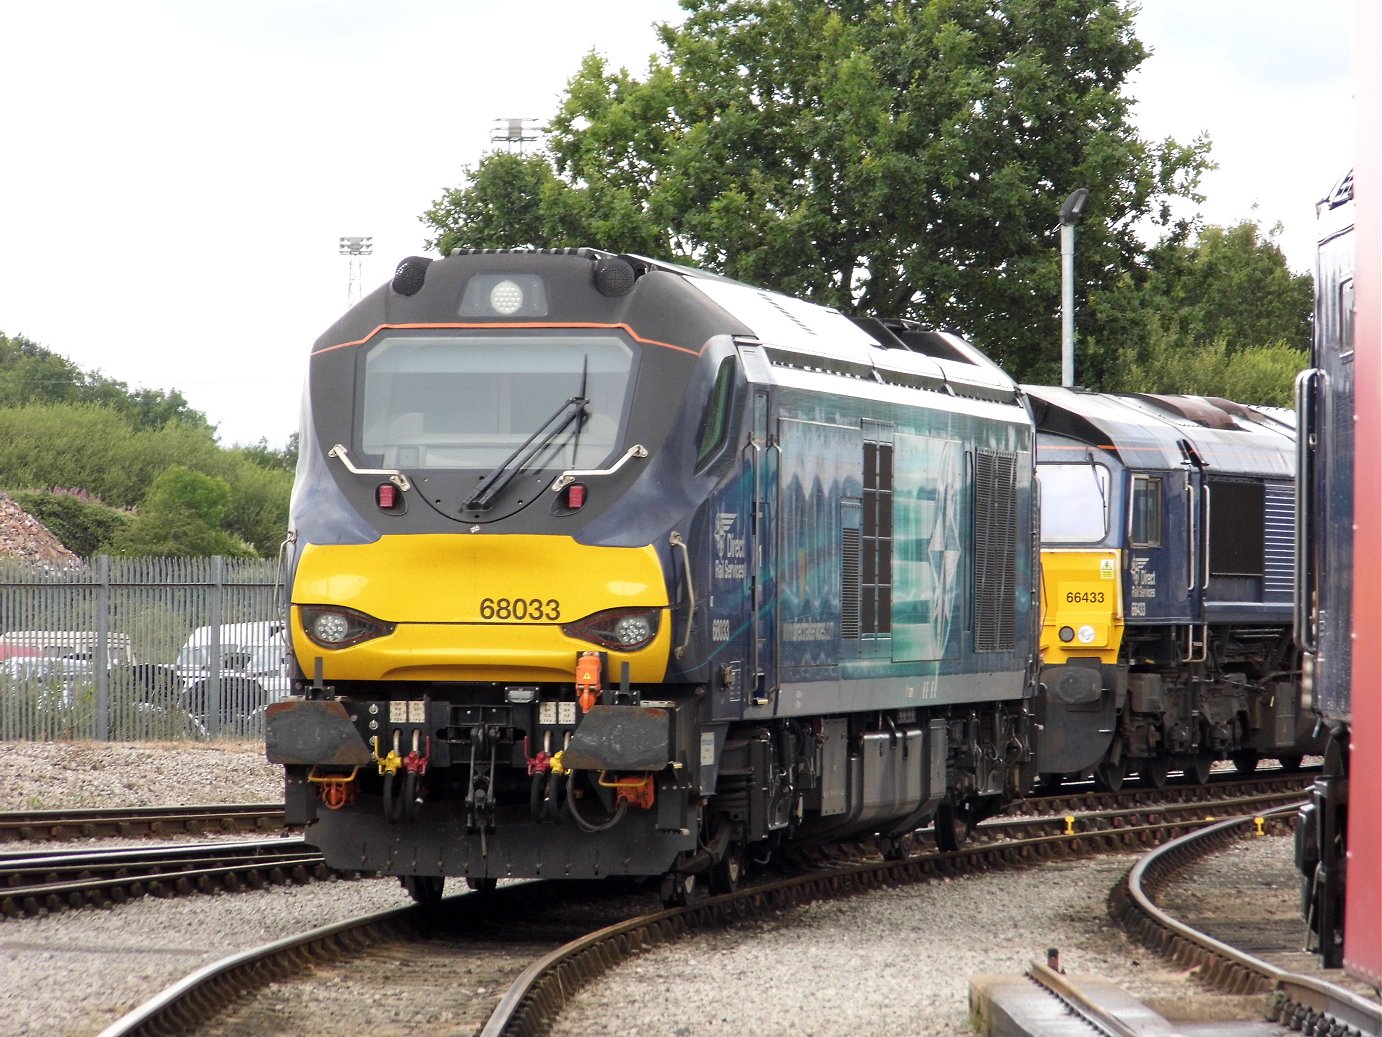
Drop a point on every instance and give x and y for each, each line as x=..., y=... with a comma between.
x=256, y=651
x=252, y=672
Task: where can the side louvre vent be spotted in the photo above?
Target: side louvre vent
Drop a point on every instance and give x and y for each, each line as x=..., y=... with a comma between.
x=1279, y=578
x=995, y=551
x=849, y=584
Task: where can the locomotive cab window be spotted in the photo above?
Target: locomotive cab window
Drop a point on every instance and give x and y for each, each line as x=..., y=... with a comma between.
x=715, y=423
x=1074, y=503
x=468, y=401
x=1144, y=512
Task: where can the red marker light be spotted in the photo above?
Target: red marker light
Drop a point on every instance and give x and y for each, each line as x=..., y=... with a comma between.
x=386, y=495
x=575, y=496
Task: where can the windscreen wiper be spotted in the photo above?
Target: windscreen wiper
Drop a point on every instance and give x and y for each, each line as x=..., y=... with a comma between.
x=493, y=484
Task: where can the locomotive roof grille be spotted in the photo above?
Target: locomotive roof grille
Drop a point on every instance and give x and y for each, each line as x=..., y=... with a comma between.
x=822, y=364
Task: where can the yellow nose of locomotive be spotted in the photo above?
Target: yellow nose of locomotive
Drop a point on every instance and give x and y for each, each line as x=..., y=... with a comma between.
x=1082, y=614
x=483, y=608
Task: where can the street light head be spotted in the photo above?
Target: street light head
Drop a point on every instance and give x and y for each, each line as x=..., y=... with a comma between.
x=1073, y=208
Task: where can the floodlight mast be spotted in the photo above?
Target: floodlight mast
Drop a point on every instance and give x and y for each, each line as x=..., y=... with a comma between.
x=1070, y=214
x=515, y=132
x=355, y=248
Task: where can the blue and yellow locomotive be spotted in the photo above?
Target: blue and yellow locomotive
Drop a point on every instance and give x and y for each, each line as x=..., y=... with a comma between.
x=603, y=566
x=1167, y=540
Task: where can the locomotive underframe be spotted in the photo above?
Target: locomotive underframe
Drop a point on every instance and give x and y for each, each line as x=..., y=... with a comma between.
x=1181, y=694
x=666, y=790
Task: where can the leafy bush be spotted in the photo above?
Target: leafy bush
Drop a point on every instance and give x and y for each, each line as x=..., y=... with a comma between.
x=83, y=524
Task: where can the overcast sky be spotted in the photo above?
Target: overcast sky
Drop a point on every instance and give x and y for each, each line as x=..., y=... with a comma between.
x=176, y=174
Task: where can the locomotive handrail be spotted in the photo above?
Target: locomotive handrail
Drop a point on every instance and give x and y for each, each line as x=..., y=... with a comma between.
x=395, y=476
x=1307, y=418
x=1206, y=519
x=1192, y=556
x=676, y=540
x=572, y=474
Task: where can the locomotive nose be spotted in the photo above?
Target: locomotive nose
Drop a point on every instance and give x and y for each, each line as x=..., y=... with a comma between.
x=510, y=608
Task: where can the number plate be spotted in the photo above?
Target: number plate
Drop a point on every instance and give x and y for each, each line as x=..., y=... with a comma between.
x=520, y=610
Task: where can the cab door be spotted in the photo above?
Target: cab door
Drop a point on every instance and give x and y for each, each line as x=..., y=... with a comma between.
x=1163, y=576
x=762, y=457
x=1198, y=504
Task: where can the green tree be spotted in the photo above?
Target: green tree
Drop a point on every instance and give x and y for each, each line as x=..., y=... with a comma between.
x=181, y=515
x=31, y=374
x=1222, y=315
x=1168, y=364
x=95, y=450
x=509, y=201
x=1233, y=283
x=902, y=158
x=283, y=459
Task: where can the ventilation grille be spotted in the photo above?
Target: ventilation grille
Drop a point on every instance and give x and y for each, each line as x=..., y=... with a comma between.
x=995, y=551
x=1279, y=573
x=849, y=584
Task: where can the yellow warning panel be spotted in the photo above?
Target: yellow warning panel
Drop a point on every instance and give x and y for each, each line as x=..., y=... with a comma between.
x=1081, y=605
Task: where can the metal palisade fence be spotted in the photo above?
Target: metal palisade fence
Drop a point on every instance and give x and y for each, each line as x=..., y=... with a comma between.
x=121, y=649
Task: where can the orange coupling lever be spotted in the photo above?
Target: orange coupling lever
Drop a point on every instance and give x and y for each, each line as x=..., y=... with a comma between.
x=588, y=680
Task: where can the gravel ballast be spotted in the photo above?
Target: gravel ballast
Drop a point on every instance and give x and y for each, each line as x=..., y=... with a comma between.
x=892, y=962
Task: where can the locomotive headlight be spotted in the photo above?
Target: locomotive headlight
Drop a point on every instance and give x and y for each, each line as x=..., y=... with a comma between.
x=504, y=295
x=506, y=298
x=624, y=629
x=1067, y=634
x=633, y=630
x=340, y=628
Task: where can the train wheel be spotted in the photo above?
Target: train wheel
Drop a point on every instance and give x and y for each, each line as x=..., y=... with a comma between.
x=1154, y=771
x=1109, y=775
x=1196, y=767
x=897, y=847
x=677, y=889
x=728, y=870
x=1245, y=760
x=425, y=889
x=951, y=827
x=1290, y=762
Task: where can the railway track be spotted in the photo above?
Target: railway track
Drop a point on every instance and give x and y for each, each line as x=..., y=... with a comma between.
x=33, y=884
x=1309, y=1002
x=138, y=822
x=1186, y=903
x=453, y=977
x=52, y=882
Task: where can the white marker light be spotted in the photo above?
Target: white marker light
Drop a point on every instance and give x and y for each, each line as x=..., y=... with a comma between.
x=506, y=298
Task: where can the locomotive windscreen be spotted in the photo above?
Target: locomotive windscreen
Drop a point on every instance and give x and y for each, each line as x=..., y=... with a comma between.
x=1074, y=503
x=467, y=401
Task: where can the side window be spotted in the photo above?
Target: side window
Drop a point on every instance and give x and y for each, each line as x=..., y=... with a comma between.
x=1144, y=513
x=715, y=423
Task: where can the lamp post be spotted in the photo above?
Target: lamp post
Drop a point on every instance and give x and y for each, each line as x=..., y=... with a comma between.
x=1070, y=214
x=355, y=247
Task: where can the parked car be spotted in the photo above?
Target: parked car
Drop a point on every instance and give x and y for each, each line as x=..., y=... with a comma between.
x=249, y=664
x=66, y=644
x=54, y=662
